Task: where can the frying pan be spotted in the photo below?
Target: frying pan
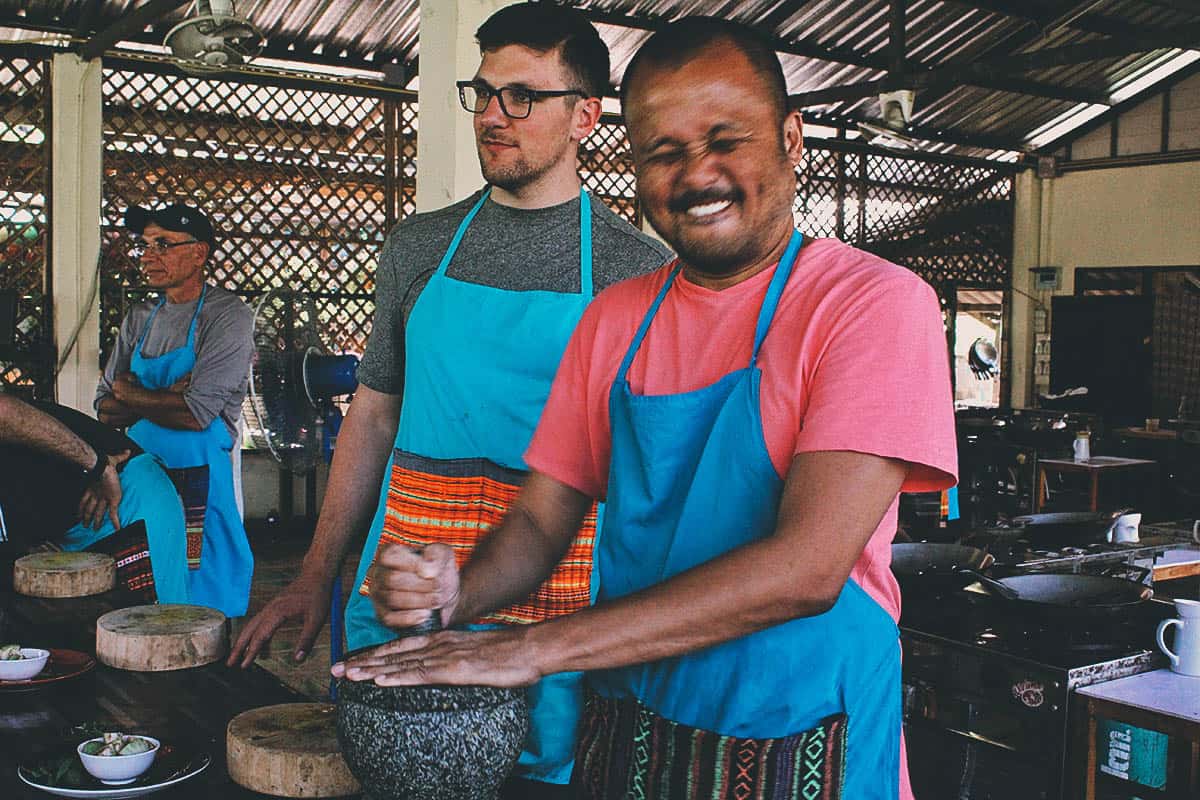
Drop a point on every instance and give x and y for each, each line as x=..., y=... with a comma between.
x=1067, y=527
x=929, y=567
x=1044, y=593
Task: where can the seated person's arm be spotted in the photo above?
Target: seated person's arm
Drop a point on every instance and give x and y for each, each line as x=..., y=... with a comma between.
x=23, y=425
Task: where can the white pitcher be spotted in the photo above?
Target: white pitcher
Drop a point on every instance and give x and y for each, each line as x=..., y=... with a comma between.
x=1125, y=529
x=1185, y=659
x=1082, y=446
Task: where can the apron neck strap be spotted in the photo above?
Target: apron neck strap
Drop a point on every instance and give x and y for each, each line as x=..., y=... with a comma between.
x=196, y=315
x=645, y=326
x=585, y=240
x=766, y=312
x=191, y=326
x=448, y=256
x=585, y=244
x=774, y=291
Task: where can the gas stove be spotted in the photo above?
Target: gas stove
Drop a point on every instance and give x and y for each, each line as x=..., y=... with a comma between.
x=1016, y=553
x=988, y=696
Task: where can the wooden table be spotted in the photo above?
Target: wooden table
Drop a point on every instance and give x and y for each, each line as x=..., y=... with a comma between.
x=189, y=707
x=1161, y=701
x=1093, y=468
x=1176, y=564
x=1160, y=435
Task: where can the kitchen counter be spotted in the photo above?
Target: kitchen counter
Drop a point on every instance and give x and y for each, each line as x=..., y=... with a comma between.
x=1162, y=701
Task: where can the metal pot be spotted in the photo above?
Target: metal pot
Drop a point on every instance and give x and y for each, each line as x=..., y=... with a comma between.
x=1066, y=527
x=931, y=568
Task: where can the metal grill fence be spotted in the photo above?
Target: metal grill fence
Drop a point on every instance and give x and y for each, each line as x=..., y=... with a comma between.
x=302, y=183
x=606, y=168
x=27, y=361
x=949, y=222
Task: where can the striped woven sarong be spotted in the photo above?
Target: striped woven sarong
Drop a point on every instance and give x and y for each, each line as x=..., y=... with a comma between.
x=457, y=503
x=627, y=752
x=192, y=485
x=130, y=548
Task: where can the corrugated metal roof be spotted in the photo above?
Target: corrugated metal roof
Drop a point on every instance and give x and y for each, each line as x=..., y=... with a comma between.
x=823, y=43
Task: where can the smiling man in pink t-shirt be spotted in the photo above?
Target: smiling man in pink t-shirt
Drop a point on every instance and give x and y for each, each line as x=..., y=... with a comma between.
x=749, y=414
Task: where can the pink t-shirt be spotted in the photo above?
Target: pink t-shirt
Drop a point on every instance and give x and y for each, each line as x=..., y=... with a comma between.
x=855, y=360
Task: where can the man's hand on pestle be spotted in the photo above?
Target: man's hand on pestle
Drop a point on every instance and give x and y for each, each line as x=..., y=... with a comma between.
x=407, y=585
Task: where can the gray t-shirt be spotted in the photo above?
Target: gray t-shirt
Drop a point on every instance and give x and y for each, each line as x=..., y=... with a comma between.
x=505, y=247
x=224, y=349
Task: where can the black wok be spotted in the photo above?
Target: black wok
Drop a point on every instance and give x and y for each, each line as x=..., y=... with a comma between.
x=922, y=566
x=1066, y=527
x=1050, y=594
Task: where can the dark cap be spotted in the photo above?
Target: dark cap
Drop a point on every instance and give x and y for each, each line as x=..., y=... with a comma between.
x=178, y=217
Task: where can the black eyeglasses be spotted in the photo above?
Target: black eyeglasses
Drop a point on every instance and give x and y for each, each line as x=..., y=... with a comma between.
x=158, y=247
x=516, y=102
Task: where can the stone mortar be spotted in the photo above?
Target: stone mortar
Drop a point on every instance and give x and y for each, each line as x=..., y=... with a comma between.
x=430, y=742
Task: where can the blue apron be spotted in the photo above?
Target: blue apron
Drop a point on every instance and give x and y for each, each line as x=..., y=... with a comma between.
x=691, y=479
x=147, y=494
x=222, y=580
x=477, y=372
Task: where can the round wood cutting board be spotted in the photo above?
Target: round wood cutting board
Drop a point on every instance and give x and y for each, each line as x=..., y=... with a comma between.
x=64, y=574
x=161, y=637
x=288, y=750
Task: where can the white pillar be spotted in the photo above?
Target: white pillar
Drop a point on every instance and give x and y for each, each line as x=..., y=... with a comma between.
x=1027, y=236
x=75, y=147
x=447, y=163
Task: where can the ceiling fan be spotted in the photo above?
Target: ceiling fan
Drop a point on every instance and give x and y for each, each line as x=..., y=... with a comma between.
x=213, y=39
x=895, y=109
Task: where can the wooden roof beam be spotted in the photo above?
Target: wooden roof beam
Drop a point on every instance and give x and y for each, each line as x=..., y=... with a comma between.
x=857, y=91
x=132, y=22
x=930, y=134
x=1077, y=16
x=986, y=70
x=837, y=55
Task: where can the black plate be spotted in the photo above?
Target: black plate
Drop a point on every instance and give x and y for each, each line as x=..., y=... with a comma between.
x=62, y=770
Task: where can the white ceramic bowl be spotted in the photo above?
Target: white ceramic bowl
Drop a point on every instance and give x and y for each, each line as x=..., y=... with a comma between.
x=32, y=662
x=117, y=770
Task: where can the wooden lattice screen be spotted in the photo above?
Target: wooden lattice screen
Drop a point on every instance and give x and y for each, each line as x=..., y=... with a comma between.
x=302, y=182
x=27, y=362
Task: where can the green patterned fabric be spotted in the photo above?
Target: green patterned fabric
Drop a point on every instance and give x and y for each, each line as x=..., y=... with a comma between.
x=627, y=752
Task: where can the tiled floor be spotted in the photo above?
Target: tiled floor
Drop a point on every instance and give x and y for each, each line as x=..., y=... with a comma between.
x=276, y=562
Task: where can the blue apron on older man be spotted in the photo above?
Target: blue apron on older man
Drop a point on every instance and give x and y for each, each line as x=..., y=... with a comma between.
x=807, y=708
x=471, y=403
x=220, y=563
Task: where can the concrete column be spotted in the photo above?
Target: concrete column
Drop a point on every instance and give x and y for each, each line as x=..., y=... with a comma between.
x=1027, y=220
x=75, y=147
x=447, y=163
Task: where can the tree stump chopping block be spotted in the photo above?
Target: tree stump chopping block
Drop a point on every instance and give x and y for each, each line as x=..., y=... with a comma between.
x=64, y=574
x=161, y=637
x=288, y=750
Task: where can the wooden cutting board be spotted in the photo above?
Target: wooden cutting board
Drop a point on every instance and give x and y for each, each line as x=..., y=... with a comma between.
x=64, y=574
x=161, y=637
x=288, y=750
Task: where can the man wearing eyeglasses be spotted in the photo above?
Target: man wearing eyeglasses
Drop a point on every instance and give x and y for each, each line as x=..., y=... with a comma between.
x=475, y=303
x=176, y=378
